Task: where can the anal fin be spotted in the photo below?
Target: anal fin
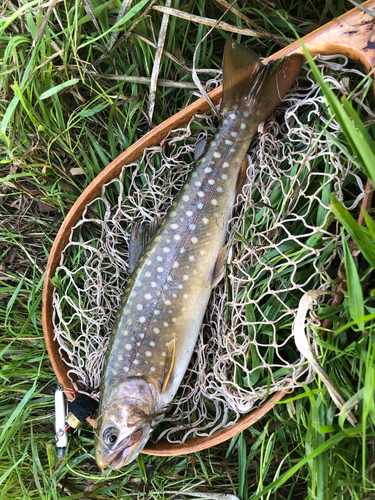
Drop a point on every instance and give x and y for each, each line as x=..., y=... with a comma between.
x=169, y=363
x=244, y=174
x=219, y=270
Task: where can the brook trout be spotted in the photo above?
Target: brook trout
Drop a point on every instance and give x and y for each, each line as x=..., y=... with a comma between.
x=175, y=264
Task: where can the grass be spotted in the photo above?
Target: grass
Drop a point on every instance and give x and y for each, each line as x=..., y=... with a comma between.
x=56, y=117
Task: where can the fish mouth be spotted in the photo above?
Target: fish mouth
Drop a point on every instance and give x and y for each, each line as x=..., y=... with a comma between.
x=122, y=457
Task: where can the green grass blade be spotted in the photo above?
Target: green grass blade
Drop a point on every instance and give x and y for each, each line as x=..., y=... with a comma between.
x=355, y=295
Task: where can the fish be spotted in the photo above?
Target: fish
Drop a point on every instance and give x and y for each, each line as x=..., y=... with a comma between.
x=175, y=263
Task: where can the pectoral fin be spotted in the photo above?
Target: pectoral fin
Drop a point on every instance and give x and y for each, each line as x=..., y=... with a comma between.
x=169, y=363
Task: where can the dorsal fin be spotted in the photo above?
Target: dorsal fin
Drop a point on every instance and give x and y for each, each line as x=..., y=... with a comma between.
x=250, y=85
x=199, y=148
x=169, y=363
x=140, y=236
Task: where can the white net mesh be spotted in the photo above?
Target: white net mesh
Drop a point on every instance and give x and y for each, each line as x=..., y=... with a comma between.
x=285, y=241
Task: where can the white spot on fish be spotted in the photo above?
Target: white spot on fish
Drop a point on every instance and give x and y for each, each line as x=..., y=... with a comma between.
x=185, y=277
x=165, y=323
x=200, y=194
x=203, y=159
x=119, y=357
x=173, y=214
x=169, y=278
x=177, y=237
x=186, y=296
x=232, y=150
x=164, y=353
x=174, y=320
x=152, y=344
x=153, y=284
x=233, y=116
x=208, y=170
x=189, y=213
x=182, y=250
x=192, y=227
x=152, y=369
x=139, y=307
x=128, y=347
x=174, y=226
x=233, y=134
x=185, y=197
x=219, y=189
x=191, y=258
x=167, y=302
x=225, y=122
x=148, y=274
x=198, y=183
x=156, y=330
x=180, y=286
x=159, y=258
x=194, y=174
x=148, y=296
x=157, y=312
x=243, y=126
x=148, y=262
x=205, y=220
x=214, y=202
x=142, y=319
x=200, y=205
x=217, y=155
x=246, y=114
x=136, y=361
x=160, y=269
x=211, y=181
x=175, y=265
x=166, y=250
x=224, y=176
x=225, y=164
x=126, y=368
x=194, y=239
x=148, y=354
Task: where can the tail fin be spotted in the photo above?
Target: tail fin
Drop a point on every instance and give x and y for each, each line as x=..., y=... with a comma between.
x=249, y=84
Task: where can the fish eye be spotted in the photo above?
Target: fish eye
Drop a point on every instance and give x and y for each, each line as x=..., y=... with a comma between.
x=110, y=436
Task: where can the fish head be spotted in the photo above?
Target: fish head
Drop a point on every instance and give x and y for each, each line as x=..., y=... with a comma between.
x=126, y=420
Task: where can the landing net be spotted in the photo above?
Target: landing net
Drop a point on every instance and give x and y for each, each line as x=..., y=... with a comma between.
x=285, y=242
